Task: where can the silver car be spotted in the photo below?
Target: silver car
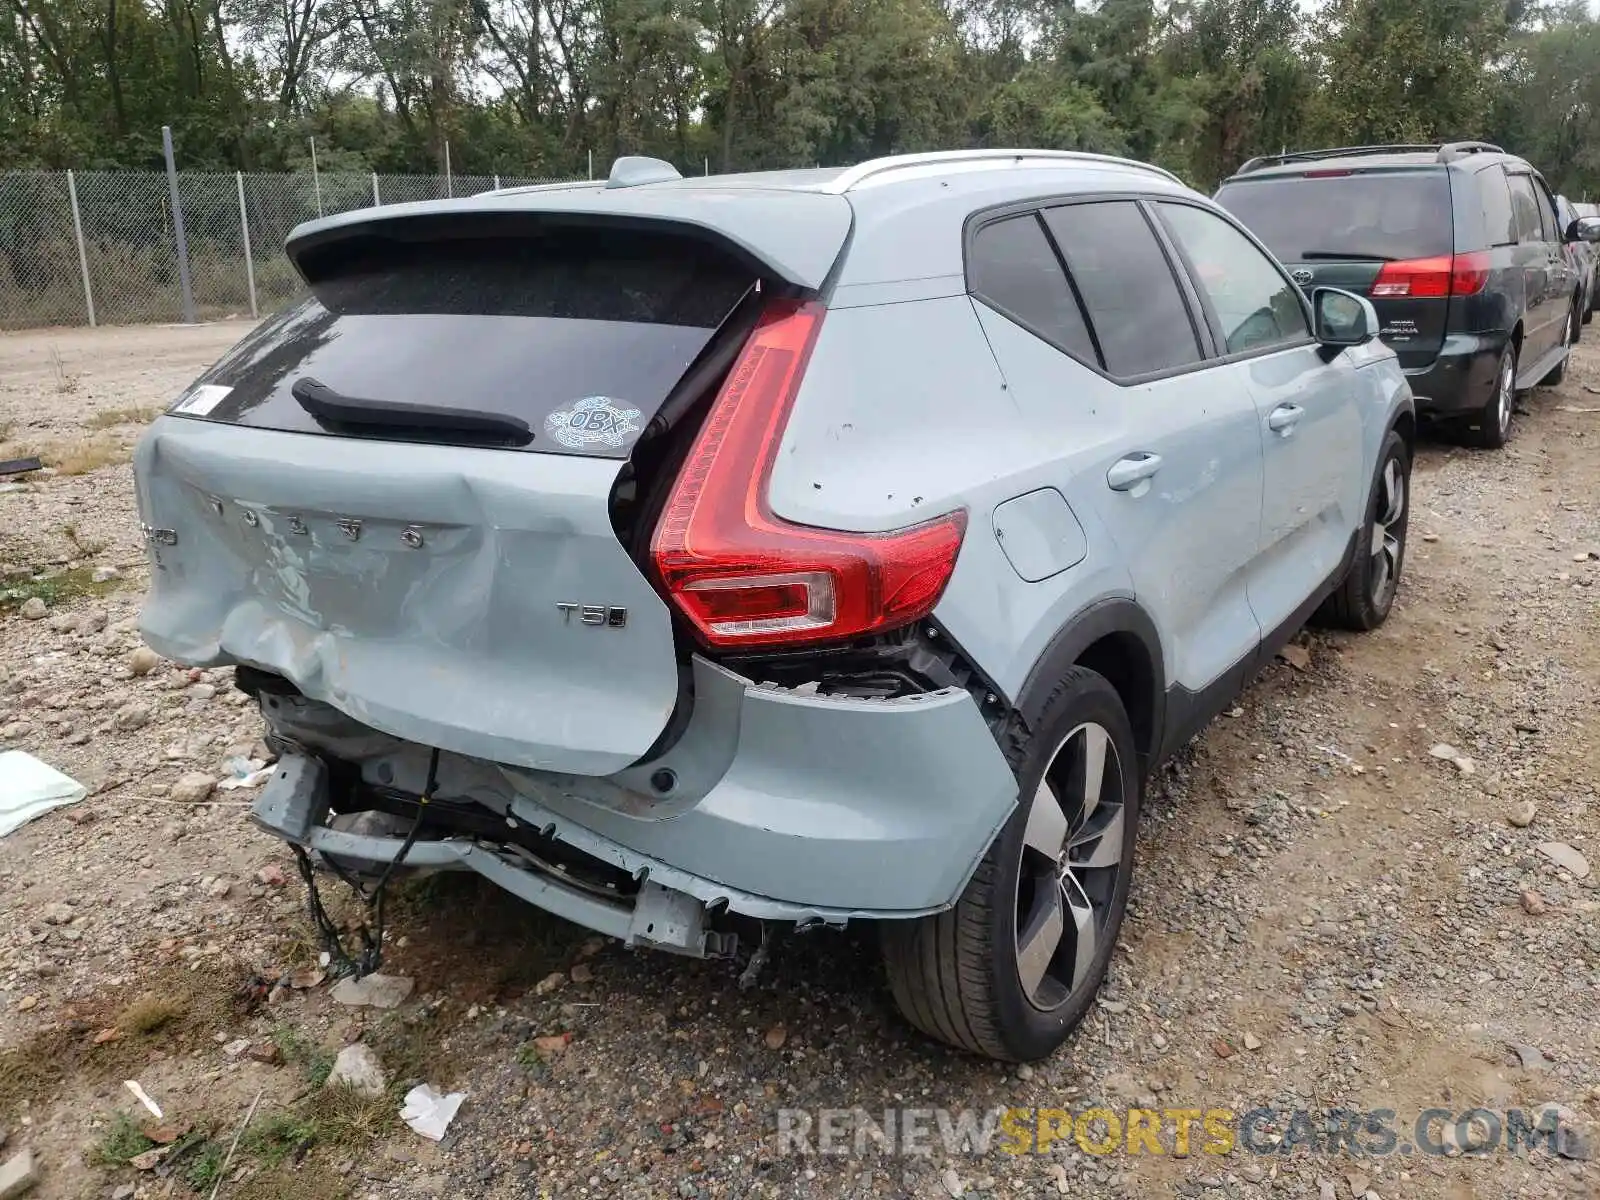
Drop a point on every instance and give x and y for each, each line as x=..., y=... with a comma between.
x=701, y=559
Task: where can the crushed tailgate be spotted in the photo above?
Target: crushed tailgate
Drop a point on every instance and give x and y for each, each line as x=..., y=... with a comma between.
x=464, y=598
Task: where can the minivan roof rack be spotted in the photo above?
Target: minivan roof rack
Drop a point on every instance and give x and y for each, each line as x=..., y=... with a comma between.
x=1448, y=152
x=850, y=177
x=1451, y=151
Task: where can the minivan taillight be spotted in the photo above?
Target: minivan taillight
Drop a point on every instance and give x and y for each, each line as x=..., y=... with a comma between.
x=1442, y=275
x=742, y=576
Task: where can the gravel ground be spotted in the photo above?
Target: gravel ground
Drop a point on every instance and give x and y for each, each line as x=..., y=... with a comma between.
x=1325, y=914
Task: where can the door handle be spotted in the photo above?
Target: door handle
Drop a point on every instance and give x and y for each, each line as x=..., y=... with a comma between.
x=1127, y=473
x=1284, y=418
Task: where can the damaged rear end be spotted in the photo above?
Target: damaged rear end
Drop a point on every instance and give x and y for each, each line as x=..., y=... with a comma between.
x=481, y=524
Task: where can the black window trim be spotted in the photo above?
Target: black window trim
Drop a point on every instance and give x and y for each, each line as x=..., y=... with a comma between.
x=1218, y=334
x=1204, y=333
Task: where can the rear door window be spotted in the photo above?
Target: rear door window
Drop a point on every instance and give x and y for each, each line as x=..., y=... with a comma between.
x=1012, y=267
x=1526, y=206
x=580, y=335
x=1136, y=308
x=1499, y=220
x=1379, y=215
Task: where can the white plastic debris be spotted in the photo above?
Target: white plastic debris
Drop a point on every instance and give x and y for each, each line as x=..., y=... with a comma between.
x=244, y=773
x=30, y=788
x=429, y=1113
x=143, y=1098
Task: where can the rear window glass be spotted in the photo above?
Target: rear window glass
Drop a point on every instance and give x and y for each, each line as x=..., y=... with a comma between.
x=581, y=336
x=1376, y=215
x=1012, y=266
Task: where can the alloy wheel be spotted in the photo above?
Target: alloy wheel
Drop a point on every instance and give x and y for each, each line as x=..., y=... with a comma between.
x=1506, y=400
x=1072, y=851
x=1386, y=534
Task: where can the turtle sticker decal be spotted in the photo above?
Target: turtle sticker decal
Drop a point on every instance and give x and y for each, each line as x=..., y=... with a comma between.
x=594, y=420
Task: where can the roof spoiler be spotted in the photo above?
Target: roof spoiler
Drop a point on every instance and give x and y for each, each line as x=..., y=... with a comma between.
x=789, y=237
x=1443, y=153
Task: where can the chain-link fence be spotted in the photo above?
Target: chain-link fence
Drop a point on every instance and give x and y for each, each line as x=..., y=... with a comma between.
x=97, y=248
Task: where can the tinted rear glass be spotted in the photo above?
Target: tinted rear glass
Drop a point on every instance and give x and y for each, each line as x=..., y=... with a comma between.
x=581, y=336
x=1379, y=215
x=1012, y=266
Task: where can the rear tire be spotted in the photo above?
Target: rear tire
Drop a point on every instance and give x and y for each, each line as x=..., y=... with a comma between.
x=1058, y=871
x=1364, y=598
x=1492, y=427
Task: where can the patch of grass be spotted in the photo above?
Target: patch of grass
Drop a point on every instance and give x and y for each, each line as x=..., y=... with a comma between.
x=149, y=1013
x=201, y=1171
x=110, y=418
x=121, y=1141
x=35, y=1069
x=87, y=547
x=54, y=589
x=314, y=1061
x=83, y=455
x=308, y=1181
x=343, y=1116
x=279, y=1136
x=73, y=456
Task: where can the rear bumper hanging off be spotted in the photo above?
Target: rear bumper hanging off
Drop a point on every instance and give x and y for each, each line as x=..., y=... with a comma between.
x=779, y=806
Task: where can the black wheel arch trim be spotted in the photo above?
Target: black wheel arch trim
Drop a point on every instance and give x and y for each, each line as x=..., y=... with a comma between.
x=1104, y=618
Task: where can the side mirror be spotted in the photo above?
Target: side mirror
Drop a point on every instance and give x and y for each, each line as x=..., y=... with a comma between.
x=1343, y=319
x=1584, y=229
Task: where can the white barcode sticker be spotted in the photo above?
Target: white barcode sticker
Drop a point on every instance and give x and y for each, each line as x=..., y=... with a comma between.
x=201, y=400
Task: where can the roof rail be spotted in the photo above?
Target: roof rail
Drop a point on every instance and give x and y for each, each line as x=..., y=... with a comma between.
x=1451, y=151
x=1270, y=160
x=1448, y=152
x=853, y=176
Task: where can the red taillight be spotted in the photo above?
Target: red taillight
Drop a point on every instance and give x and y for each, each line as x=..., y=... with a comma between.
x=1470, y=274
x=1443, y=275
x=742, y=576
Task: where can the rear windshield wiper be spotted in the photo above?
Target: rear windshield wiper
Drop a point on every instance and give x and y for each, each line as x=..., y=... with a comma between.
x=1347, y=255
x=326, y=404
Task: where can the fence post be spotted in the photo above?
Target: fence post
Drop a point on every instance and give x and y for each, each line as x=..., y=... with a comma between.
x=376, y=199
x=244, y=232
x=178, y=234
x=591, y=164
x=449, y=183
x=497, y=183
x=316, y=179
x=83, y=257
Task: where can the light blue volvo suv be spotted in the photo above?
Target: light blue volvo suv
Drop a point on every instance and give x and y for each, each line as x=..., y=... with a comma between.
x=706, y=559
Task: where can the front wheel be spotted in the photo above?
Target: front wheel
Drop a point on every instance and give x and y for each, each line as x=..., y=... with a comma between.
x=1366, y=595
x=1013, y=967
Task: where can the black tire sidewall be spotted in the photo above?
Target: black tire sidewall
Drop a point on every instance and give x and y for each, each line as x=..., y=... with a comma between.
x=1394, y=449
x=1029, y=1032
